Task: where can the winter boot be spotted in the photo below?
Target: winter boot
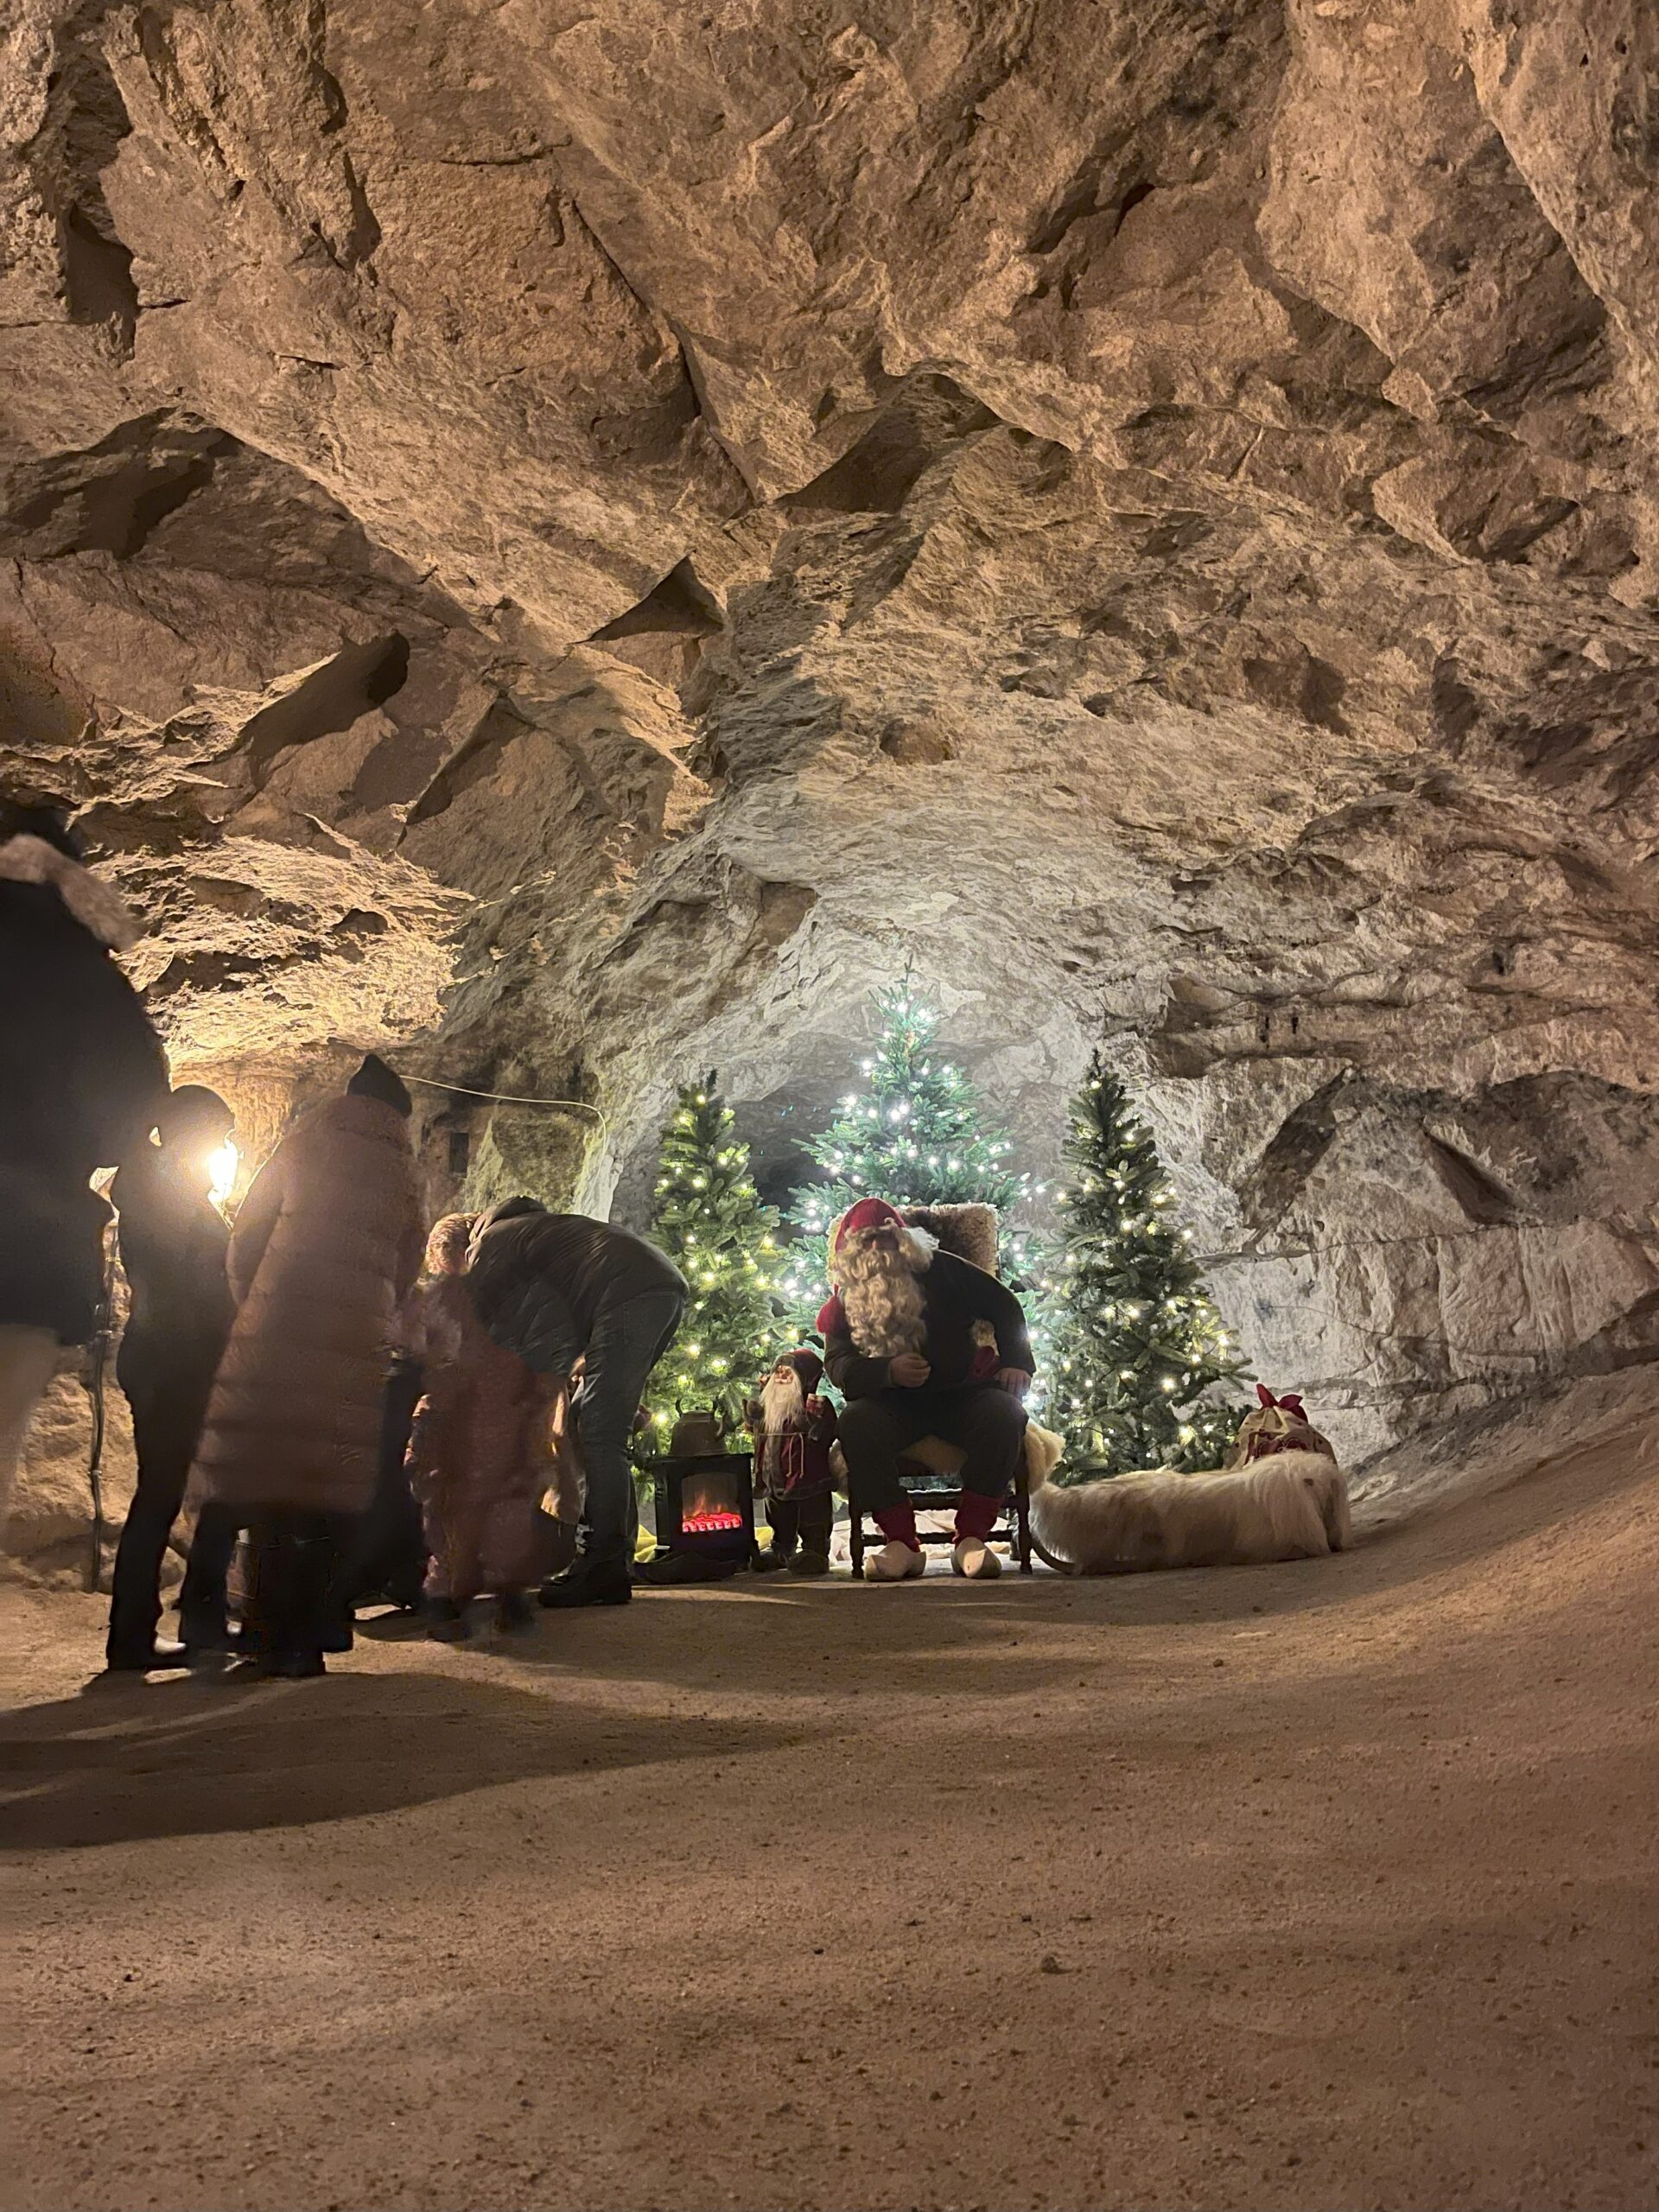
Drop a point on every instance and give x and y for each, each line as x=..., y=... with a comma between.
x=513, y=1613
x=446, y=1621
x=596, y=1579
x=810, y=1563
x=155, y=1651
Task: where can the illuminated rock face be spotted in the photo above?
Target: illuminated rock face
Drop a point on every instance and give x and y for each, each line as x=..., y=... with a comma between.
x=584, y=534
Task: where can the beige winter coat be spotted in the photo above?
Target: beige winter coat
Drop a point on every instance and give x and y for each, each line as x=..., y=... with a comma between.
x=326, y=1244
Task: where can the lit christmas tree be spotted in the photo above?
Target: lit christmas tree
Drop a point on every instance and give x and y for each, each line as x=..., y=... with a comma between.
x=915, y=1134
x=1139, y=1351
x=708, y=1220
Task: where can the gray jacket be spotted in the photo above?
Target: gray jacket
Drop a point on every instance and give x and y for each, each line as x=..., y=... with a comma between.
x=539, y=1281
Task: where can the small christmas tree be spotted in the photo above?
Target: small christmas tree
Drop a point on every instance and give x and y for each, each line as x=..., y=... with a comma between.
x=708, y=1220
x=1139, y=1350
x=915, y=1134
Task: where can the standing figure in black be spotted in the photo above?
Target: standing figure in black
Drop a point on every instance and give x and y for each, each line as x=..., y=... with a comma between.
x=173, y=1245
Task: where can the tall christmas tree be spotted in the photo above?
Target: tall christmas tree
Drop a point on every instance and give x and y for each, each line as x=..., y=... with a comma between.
x=917, y=1134
x=708, y=1220
x=1139, y=1354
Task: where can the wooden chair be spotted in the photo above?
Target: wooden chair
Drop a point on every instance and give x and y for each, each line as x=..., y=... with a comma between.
x=931, y=1492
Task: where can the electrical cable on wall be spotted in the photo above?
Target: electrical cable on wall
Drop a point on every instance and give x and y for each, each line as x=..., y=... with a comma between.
x=510, y=1098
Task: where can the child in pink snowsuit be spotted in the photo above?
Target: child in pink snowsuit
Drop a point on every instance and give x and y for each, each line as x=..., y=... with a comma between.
x=479, y=1455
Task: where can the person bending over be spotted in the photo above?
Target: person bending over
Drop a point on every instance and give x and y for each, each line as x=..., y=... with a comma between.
x=902, y=1343
x=556, y=1287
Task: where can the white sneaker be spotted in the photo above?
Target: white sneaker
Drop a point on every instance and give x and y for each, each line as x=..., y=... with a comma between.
x=893, y=1562
x=973, y=1556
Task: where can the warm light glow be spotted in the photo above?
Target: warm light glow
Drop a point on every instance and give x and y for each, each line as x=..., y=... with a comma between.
x=222, y=1163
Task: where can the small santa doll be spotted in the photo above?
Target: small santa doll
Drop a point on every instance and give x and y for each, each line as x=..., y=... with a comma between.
x=793, y=1429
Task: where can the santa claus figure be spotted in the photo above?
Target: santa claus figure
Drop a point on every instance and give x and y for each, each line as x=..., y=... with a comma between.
x=922, y=1344
x=793, y=1428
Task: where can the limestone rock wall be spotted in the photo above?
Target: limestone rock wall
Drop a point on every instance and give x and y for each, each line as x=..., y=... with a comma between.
x=573, y=539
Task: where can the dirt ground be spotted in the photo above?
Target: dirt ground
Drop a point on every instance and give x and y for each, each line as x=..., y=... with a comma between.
x=1323, y=1885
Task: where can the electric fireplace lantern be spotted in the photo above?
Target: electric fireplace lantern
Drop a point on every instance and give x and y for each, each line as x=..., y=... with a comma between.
x=705, y=1504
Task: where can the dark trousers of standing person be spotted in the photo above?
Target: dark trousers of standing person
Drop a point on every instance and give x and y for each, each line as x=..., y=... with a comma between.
x=167, y=1418
x=294, y=1611
x=388, y=1558
x=628, y=1339
x=987, y=1422
x=801, y=1524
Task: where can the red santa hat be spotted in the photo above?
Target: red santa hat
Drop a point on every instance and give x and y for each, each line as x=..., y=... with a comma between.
x=865, y=1213
x=807, y=1364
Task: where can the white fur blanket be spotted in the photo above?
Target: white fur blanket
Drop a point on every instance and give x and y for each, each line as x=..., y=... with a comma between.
x=1292, y=1506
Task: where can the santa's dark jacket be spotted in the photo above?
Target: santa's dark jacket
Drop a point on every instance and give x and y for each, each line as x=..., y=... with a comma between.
x=82, y=1075
x=955, y=1294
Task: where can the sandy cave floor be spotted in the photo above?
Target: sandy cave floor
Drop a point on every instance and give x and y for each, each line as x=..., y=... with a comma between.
x=1325, y=1885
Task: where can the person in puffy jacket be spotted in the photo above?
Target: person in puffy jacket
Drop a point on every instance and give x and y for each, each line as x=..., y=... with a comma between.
x=556, y=1287
x=481, y=1454
x=327, y=1246
x=82, y=1076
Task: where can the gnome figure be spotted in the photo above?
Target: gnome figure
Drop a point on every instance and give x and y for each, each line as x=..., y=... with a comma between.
x=793, y=1429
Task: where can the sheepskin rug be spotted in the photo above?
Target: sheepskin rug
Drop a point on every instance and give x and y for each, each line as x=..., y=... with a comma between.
x=1294, y=1505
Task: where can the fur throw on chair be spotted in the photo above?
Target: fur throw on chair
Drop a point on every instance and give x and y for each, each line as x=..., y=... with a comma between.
x=1042, y=1449
x=1294, y=1505
x=970, y=1231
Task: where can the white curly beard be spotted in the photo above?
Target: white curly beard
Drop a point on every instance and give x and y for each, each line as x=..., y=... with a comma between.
x=882, y=1293
x=782, y=1402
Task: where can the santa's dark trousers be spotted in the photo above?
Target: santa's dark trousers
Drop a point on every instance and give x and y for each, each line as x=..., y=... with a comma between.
x=984, y=1420
x=803, y=1522
x=167, y=1417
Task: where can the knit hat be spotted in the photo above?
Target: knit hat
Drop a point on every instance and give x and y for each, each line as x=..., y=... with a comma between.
x=189, y=1109
x=865, y=1213
x=374, y=1079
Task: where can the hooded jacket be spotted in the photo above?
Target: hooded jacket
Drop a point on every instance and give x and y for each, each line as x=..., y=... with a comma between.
x=82, y=1077
x=326, y=1245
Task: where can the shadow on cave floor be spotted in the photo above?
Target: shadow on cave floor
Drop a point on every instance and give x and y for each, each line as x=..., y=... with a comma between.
x=759, y=1666
x=180, y=1758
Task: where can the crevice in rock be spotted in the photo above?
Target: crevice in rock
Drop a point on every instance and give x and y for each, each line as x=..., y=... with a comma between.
x=327, y=699
x=1300, y=1142
x=500, y=724
x=112, y=497
x=880, y=469
x=680, y=605
x=1483, y=1199
x=98, y=278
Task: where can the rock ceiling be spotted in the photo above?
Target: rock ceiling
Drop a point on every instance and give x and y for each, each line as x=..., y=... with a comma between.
x=585, y=533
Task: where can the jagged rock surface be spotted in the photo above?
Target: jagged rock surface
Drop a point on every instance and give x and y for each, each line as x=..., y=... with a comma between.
x=587, y=534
